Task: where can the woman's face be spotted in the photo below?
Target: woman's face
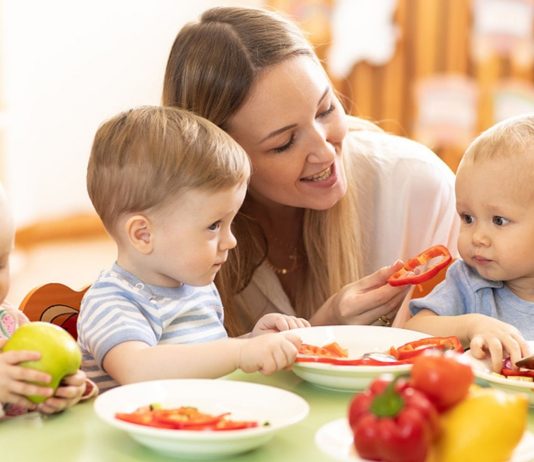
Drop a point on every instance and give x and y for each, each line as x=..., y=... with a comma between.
x=292, y=127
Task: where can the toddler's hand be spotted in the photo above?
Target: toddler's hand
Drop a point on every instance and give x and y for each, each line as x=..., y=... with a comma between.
x=67, y=394
x=277, y=322
x=268, y=353
x=15, y=380
x=499, y=339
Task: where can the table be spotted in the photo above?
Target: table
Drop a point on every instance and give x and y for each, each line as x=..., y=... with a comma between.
x=78, y=435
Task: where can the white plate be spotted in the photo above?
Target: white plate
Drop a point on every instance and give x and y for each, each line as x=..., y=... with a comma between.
x=358, y=340
x=245, y=401
x=335, y=439
x=482, y=369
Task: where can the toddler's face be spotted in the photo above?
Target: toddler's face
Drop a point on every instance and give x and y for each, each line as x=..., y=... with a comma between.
x=192, y=236
x=495, y=201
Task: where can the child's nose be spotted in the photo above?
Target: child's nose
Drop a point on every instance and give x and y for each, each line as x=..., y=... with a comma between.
x=480, y=237
x=229, y=241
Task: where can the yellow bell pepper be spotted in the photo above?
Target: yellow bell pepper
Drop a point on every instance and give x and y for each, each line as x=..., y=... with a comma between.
x=485, y=426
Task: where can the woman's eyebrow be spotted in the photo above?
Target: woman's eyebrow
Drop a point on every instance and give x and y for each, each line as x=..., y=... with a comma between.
x=288, y=127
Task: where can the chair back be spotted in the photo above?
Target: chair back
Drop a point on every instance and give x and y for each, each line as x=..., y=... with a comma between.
x=55, y=303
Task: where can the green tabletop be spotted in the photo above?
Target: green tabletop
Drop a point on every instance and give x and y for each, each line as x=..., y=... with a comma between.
x=78, y=435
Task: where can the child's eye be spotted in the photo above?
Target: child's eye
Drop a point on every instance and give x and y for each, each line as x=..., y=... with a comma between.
x=214, y=226
x=286, y=146
x=500, y=221
x=466, y=218
x=330, y=109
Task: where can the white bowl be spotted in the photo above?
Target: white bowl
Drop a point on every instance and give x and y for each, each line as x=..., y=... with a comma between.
x=245, y=401
x=483, y=371
x=358, y=340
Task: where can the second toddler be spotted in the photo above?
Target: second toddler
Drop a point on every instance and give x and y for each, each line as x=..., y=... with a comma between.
x=487, y=299
x=167, y=185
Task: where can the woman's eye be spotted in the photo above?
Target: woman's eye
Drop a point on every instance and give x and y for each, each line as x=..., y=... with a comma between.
x=500, y=221
x=330, y=109
x=214, y=226
x=286, y=146
x=466, y=218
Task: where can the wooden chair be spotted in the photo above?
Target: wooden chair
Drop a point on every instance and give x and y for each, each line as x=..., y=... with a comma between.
x=55, y=303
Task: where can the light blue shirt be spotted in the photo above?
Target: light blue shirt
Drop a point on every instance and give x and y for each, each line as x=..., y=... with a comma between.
x=119, y=308
x=463, y=291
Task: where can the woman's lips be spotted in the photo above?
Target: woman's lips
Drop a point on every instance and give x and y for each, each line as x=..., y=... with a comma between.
x=323, y=179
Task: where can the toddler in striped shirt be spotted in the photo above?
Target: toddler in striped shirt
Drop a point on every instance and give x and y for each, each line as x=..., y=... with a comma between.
x=167, y=185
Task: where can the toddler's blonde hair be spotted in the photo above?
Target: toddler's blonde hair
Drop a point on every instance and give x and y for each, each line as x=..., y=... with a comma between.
x=511, y=136
x=143, y=157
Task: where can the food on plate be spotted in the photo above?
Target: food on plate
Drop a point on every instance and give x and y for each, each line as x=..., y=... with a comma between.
x=335, y=354
x=330, y=350
x=415, y=348
x=184, y=418
x=436, y=414
x=486, y=426
x=508, y=372
x=392, y=421
x=60, y=354
x=423, y=267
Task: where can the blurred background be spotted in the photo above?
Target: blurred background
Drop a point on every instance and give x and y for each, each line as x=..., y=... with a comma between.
x=438, y=71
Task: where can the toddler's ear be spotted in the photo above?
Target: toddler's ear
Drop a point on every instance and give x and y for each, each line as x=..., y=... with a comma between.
x=139, y=234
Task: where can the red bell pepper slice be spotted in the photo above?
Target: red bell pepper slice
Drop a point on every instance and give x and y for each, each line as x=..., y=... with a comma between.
x=331, y=350
x=423, y=267
x=517, y=372
x=349, y=362
x=184, y=418
x=412, y=349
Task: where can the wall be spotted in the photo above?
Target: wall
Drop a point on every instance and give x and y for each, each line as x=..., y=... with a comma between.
x=66, y=66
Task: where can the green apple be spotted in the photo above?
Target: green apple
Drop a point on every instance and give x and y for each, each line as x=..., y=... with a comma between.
x=60, y=354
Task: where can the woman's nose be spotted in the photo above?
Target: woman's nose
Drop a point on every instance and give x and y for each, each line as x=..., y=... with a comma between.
x=320, y=149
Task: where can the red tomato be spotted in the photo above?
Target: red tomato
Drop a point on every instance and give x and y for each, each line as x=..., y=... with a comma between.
x=444, y=377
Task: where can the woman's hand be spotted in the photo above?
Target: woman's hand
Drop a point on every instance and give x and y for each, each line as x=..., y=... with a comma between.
x=68, y=394
x=496, y=338
x=366, y=301
x=277, y=322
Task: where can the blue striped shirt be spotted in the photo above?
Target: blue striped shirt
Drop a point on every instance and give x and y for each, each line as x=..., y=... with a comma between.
x=119, y=308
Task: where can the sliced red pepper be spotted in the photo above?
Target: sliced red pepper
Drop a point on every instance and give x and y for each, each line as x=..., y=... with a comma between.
x=350, y=362
x=332, y=350
x=184, y=418
x=517, y=372
x=415, y=348
x=418, y=270
x=224, y=425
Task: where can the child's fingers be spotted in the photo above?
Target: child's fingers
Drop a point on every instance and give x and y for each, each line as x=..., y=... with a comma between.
x=295, y=340
x=30, y=389
x=16, y=357
x=25, y=374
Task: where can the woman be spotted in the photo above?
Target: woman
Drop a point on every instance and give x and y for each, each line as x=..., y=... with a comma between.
x=332, y=198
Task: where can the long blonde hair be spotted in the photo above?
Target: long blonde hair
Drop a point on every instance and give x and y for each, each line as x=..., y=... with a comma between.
x=211, y=68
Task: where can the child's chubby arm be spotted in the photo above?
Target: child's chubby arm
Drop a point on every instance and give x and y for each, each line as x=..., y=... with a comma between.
x=483, y=334
x=136, y=361
x=277, y=322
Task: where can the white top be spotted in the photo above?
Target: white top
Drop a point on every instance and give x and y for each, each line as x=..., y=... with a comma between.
x=407, y=204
